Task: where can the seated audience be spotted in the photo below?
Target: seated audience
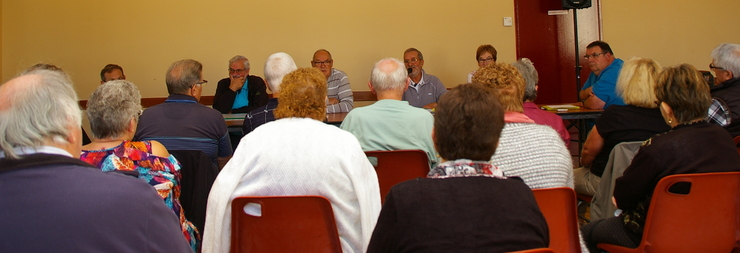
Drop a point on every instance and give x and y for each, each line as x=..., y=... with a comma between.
x=53, y=202
x=298, y=154
x=637, y=121
x=424, y=89
x=725, y=109
x=111, y=72
x=390, y=123
x=692, y=146
x=240, y=92
x=466, y=204
x=599, y=90
x=339, y=92
x=542, y=117
x=276, y=67
x=113, y=110
x=181, y=123
x=486, y=54
x=533, y=152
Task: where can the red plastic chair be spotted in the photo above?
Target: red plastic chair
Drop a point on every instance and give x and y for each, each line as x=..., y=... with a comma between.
x=704, y=220
x=283, y=224
x=397, y=166
x=558, y=205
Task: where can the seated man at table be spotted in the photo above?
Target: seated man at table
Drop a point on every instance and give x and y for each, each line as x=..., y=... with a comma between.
x=599, y=91
x=111, y=72
x=391, y=124
x=52, y=201
x=181, y=123
x=276, y=67
x=725, y=108
x=298, y=154
x=240, y=92
x=424, y=89
x=339, y=93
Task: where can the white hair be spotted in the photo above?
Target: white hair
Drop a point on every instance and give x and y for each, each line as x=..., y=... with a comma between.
x=43, y=109
x=531, y=77
x=276, y=67
x=111, y=107
x=727, y=56
x=388, y=74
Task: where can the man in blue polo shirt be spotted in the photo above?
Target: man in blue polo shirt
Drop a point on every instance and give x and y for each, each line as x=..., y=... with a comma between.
x=599, y=90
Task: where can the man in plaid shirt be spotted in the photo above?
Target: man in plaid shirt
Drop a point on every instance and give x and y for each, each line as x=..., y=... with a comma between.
x=725, y=108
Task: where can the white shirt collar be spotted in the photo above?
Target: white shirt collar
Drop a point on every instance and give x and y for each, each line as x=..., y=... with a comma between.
x=36, y=150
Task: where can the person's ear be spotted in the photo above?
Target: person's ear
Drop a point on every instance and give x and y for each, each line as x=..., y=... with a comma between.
x=370, y=85
x=408, y=82
x=536, y=86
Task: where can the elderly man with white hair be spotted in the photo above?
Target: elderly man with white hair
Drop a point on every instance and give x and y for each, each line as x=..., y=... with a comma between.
x=390, y=123
x=51, y=200
x=276, y=67
x=725, y=109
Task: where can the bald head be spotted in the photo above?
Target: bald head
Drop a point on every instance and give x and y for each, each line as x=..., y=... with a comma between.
x=389, y=76
x=39, y=108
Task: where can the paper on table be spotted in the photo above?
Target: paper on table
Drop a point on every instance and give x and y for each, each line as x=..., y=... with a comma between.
x=556, y=107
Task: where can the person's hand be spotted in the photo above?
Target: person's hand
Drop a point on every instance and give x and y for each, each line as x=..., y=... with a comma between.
x=333, y=101
x=237, y=81
x=430, y=106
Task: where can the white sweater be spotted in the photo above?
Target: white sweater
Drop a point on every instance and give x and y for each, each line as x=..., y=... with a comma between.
x=298, y=156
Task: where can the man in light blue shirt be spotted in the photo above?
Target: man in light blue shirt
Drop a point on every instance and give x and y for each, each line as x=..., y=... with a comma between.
x=391, y=124
x=599, y=90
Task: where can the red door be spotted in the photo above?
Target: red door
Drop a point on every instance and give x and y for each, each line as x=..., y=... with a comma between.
x=549, y=41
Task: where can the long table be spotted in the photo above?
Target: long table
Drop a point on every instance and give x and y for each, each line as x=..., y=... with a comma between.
x=579, y=119
x=236, y=120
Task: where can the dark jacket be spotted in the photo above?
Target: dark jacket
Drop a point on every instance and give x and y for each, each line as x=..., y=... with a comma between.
x=728, y=92
x=54, y=203
x=224, y=98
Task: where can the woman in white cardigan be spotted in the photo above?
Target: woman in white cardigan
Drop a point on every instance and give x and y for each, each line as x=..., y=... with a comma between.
x=298, y=154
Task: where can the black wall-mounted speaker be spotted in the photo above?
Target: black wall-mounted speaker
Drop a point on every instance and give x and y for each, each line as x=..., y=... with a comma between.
x=576, y=4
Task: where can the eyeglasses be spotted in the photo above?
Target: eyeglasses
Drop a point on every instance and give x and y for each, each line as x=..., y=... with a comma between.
x=412, y=60
x=711, y=66
x=138, y=114
x=319, y=63
x=594, y=55
x=485, y=60
x=237, y=70
x=200, y=83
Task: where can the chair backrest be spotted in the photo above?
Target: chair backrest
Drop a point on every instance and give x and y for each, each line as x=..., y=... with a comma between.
x=620, y=158
x=283, y=224
x=197, y=174
x=704, y=220
x=558, y=205
x=397, y=166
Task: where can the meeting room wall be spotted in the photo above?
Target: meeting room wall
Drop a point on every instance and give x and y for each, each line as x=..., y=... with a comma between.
x=145, y=37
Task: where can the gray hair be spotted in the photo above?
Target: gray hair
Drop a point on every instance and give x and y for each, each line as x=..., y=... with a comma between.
x=239, y=58
x=411, y=49
x=531, y=77
x=388, y=74
x=182, y=75
x=111, y=107
x=43, y=109
x=727, y=56
x=276, y=67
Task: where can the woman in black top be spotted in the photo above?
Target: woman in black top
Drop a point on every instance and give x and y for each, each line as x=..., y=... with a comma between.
x=691, y=146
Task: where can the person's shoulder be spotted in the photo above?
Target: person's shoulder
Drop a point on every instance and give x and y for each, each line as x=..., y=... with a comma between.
x=224, y=81
x=338, y=72
x=256, y=79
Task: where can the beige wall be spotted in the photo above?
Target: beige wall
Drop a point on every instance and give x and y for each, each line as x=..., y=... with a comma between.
x=146, y=36
x=668, y=31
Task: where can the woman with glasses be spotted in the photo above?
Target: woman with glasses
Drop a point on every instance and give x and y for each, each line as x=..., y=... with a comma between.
x=691, y=146
x=113, y=110
x=638, y=120
x=485, y=55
